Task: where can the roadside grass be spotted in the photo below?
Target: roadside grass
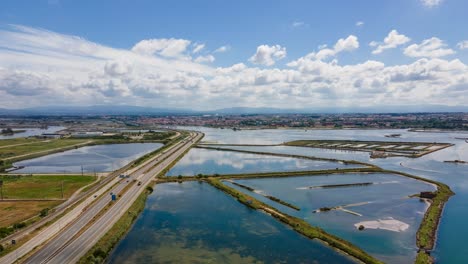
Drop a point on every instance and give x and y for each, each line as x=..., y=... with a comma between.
x=99, y=252
x=38, y=146
x=42, y=186
x=17, y=212
x=15, y=141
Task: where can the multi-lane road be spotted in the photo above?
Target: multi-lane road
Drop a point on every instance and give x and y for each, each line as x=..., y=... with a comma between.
x=76, y=232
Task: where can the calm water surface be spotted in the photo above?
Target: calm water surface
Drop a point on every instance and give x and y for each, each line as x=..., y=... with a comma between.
x=195, y=223
x=93, y=158
x=209, y=161
x=32, y=132
x=387, y=198
x=450, y=247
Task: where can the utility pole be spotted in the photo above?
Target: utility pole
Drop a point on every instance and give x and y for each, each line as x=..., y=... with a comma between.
x=81, y=170
x=1, y=188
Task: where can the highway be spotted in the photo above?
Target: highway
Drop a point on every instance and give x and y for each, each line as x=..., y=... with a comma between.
x=69, y=239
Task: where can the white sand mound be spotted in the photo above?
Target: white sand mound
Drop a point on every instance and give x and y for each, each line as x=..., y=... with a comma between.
x=386, y=224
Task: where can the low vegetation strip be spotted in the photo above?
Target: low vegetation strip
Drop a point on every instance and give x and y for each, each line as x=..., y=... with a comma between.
x=295, y=173
x=275, y=199
x=290, y=156
x=238, y=145
x=173, y=163
x=41, y=148
x=340, y=185
x=99, y=252
x=427, y=232
x=297, y=224
x=43, y=186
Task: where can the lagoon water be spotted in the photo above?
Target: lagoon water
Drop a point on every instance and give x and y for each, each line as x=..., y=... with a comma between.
x=99, y=158
x=387, y=198
x=387, y=245
x=449, y=247
x=195, y=223
x=210, y=161
x=32, y=132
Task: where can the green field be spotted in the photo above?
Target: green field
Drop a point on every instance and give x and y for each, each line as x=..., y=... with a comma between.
x=23, y=213
x=42, y=187
x=15, y=141
x=39, y=146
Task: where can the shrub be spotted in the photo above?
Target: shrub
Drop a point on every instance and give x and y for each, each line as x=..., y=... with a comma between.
x=44, y=212
x=19, y=225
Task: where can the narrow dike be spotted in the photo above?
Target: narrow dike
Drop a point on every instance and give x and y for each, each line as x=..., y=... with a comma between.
x=339, y=185
x=102, y=249
x=297, y=224
x=267, y=196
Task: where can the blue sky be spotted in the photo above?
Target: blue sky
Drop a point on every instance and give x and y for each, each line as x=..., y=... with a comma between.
x=276, y=42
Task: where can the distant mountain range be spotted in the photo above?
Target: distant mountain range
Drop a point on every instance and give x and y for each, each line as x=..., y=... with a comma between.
x=138, y=110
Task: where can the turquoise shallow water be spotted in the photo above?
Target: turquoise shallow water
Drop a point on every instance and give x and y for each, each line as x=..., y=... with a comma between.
x=93, y=159
x=209, y=161
x=394, y=246
x=196, y=223
x=450, y=247
x=387, y=198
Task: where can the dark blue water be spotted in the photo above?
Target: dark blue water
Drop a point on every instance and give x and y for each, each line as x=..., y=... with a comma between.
x=99, y=158
x=195, y=223
x=208, y=161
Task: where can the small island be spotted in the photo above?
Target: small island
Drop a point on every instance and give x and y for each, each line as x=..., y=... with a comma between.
x=456, y=161
x=8, y=131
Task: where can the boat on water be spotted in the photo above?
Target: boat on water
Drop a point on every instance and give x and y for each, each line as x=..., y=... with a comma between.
x=393, y=135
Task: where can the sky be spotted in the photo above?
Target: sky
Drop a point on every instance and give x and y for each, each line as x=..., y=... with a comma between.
x=205, y=55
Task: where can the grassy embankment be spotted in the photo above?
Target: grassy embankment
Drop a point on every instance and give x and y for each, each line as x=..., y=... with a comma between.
x=163, y=172
x=282, y=174
x=297, y=224
x=19, y=214
x=99, y=252
x=27, y=148
x=427, y=232
x=346, y=162
x=273, y=198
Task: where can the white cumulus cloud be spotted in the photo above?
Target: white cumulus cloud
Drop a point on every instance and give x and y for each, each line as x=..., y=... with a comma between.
x=432, y=48
x=40, y=67
x=268, y=55
x=198, y=48
x=343, y=44
x=207, y=58
x=164, y=47
x=463, y=45
x=222, y=49
x=392, y=40
x=297, y=24
x=431, y=3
